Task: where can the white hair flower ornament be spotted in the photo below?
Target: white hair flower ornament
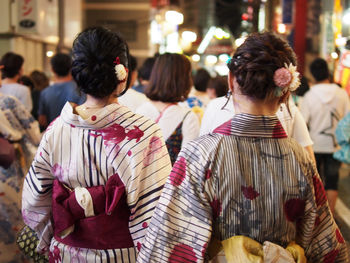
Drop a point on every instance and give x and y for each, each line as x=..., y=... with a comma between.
x=286, y=79
x=120, y=70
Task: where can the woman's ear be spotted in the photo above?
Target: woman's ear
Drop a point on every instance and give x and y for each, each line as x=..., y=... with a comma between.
x=231, y=80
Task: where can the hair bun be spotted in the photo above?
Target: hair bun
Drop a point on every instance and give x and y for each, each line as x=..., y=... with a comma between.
x=94, y=51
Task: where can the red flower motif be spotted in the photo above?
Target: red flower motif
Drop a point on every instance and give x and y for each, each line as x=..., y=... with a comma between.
x=331, y=256
x=208, y=174
x=135, y=133
x=178, y=173
x=154, y=147
x=139, y=246
x=339, y=236
x=320, y=193
x=73, y=126
x=204, y=249
x=294, y=209
x=144, y=224
x=217, y=207
x=129, y=153
x=93, y=118
x=113, y=134
x=182, y=253
x=55, y=257
x=249, y=192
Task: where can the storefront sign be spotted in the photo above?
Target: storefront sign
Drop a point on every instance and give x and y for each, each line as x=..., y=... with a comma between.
x=27, y=16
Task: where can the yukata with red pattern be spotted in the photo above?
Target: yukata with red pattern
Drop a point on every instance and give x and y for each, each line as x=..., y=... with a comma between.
x=246, y=178
x=93, y=185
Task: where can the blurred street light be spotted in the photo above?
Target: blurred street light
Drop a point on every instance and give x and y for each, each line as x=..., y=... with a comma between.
x=189, y=36
x=174, y=17
x=49, y=54
x=346, y=17
x=224, y=57
x=281, y=28
x=334, y=55
x=196, y=58
x=211, y=60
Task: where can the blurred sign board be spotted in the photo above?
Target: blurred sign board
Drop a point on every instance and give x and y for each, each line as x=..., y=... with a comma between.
x=27, y=16
x=287, y=11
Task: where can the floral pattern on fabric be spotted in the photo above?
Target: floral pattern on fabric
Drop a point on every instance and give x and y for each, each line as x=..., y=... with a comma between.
x=16, y=125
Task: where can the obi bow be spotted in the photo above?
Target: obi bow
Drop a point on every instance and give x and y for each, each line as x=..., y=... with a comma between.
x=70, y=206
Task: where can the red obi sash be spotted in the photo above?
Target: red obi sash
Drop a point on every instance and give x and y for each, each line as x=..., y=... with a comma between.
x=107, y=229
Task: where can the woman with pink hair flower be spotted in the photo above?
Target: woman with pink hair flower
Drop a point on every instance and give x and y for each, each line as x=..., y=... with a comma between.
x=247, y=187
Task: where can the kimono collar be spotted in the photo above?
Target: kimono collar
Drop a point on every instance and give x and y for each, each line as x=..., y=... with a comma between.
x=100, y=119
x=247, y=125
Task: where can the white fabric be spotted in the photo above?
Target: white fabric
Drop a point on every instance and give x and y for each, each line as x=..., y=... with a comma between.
x=84, y=199
x=322, y=107
x=132, y=99
x=21, y=92
x=171, y=119
x=293, y=123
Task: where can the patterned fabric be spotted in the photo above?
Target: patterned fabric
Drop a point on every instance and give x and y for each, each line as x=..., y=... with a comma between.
x=86, y=153
x=174, y=142
x=16, y=125
x=247, y=179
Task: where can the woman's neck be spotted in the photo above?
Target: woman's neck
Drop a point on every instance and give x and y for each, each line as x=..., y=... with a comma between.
x=245, y=104
x=10, y=80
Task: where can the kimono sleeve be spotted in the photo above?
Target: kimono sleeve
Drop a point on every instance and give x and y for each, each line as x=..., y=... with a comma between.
x=181, y=227
x=37, y=195
x=317, y=231
x=149, y=171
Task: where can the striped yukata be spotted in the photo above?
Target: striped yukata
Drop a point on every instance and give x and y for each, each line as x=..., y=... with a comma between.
x=86, y=154
x=247, y=178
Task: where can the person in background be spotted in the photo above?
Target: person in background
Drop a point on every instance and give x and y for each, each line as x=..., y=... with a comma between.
x=322, y=107
x=217, y=87
x=54, y=97
x=198, y=96
x=41, y=81
x=300, y=92
x=12, y=70
x=170, y=84
x=247, y=178
x=132, y=99
x=22, y=131
x=100, y=168
x=144, y=74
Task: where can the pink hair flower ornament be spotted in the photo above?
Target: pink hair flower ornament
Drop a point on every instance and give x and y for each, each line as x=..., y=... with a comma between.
x=286, y=78
x=120, y=70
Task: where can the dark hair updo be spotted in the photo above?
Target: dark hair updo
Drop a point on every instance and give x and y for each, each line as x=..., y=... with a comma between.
x=94, y=52
x=255, y=62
